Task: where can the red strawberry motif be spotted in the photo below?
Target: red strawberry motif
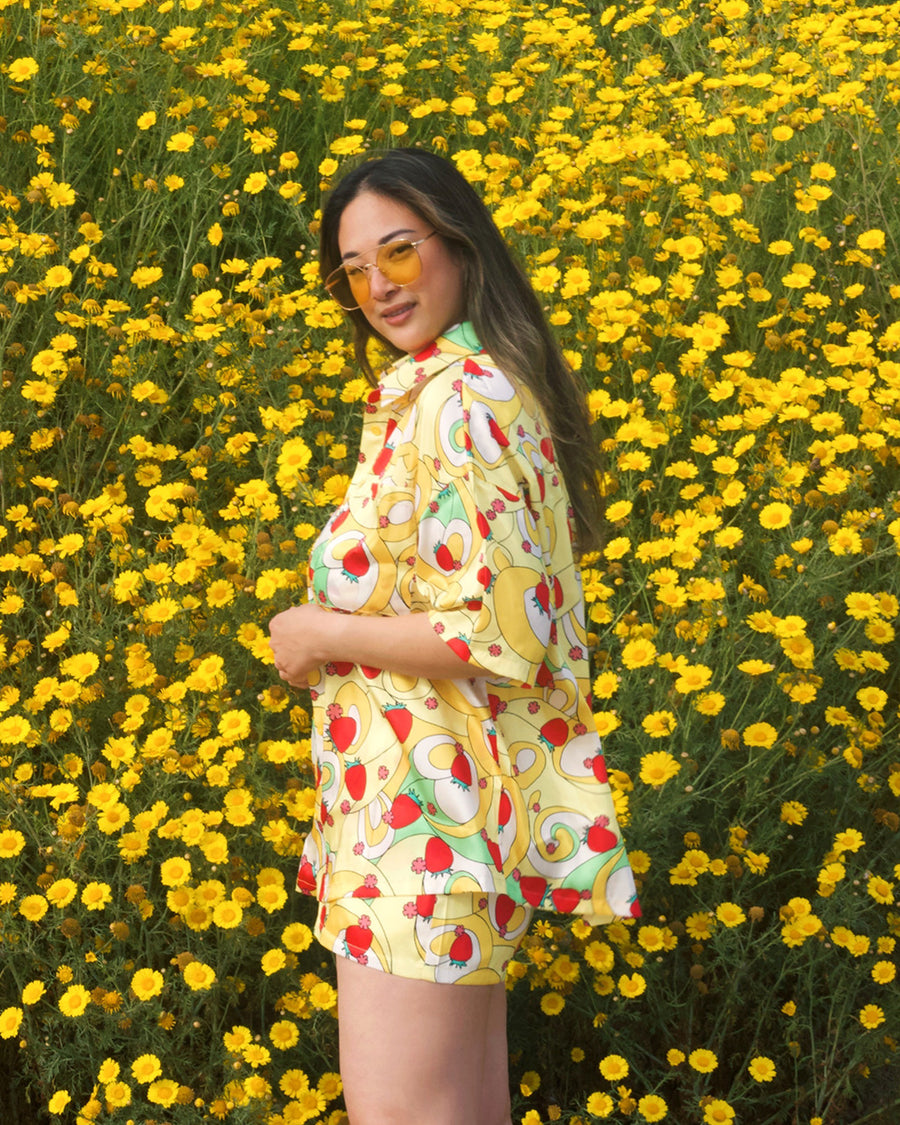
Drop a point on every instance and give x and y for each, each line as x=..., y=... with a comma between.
x=358, y=939
x=400, y=719
x=496, y=433
x=355, y=779
x=404, y=810
x=382, y=461
x=342, y=667
x=599, y=838
x=547, y=450
x=460, y=647
x=342, y=731
x=542, y=486
x=542, y=596
x=427, y=353
x=485, y=577
x=494, y=852
x=565, y=899
x=461, y=771
x=557, y=592
x=598, y=765
x=492, y=744
x=512, y=497
x=365, y=891
x=471, y=367
x=443, y=557
x=369, y=672
x=484, y=527
x=635, y=910
x=438, y=856
x=356, y=562
x=533, y=889
x=461, y=949
x=339, y=518
x=306, y=878
x=504, y=910
x=505, y=811
x=554, y=732
x=544, y=677
x=425, y=905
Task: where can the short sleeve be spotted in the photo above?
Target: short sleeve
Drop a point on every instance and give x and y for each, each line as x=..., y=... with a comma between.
x=491, y=516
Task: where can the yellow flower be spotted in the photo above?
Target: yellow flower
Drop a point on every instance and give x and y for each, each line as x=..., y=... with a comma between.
x=146, y=1068
x=255, y=183
x=23, y=69
x=775, y=515
x=198, y=976
x=632, y=986
x=730, y=914
x=658, y=767
x=57, y=277
x=871, y=1016
x=761, y=1069
x=870, y=240
x=32, y=992
x=703, y=1060
x=144, y=276
x=74, y=1000
x=58, y=1101
x=552, y=1003
x=600, y=1104
x=652, y=1107
x=147, y=983
x=10, y=1021
x=180, y=142
x=11, y=842
x=163, y=1091
x=638, y=653
x=614, y=1068
x=761, y=735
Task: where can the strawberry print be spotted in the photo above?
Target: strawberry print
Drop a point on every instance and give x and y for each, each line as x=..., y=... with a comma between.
x=355, y=779
x=438, y=856
x=456, y=510
x=400, y=719
x=358, y=939
x=461, y=949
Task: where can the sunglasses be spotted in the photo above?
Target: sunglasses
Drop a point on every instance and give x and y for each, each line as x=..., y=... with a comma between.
x=398, y=262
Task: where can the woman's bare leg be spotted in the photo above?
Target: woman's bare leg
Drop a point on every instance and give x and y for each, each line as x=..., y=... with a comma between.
x=414, y=1052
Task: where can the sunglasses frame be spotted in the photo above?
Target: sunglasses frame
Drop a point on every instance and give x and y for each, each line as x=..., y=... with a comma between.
x=334, y=278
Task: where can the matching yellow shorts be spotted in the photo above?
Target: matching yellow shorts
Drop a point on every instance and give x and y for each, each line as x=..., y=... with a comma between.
x=448, y=939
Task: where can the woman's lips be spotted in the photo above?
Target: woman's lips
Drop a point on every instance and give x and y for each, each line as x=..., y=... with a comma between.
x=398, y=314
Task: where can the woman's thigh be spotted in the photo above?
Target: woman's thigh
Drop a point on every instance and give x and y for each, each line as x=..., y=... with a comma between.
x=418, y=1053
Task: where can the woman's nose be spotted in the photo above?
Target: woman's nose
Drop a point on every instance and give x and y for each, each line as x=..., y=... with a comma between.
x=379, y=286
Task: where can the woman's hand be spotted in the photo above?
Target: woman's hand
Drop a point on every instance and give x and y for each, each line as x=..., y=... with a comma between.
x=298, y=639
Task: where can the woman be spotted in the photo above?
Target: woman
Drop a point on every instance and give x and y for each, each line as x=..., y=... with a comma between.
x=461, y=782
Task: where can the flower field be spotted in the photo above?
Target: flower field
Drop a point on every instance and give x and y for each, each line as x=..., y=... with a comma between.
x=705, y=196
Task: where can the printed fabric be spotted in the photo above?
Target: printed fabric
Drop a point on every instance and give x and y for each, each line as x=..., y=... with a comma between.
x=491, y=784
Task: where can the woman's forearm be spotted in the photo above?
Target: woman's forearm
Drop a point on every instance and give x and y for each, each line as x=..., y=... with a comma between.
x=306, y=637
x=406, y=644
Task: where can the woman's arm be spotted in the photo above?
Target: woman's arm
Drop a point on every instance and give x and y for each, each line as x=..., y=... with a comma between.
x=306, y=637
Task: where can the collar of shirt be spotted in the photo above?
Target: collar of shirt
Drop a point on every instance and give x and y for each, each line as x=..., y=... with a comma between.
x=407, y=376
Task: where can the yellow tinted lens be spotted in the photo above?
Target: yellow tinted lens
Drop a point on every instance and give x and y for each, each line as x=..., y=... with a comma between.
x=338, y=285
x=399, y=262
x=358, y=283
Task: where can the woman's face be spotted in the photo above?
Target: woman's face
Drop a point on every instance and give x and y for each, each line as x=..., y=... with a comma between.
x=409, y=316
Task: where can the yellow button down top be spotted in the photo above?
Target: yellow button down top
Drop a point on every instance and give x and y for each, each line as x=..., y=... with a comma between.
x=492, y=784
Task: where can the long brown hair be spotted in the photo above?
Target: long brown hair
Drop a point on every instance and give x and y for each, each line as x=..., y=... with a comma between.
x=500, y=303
